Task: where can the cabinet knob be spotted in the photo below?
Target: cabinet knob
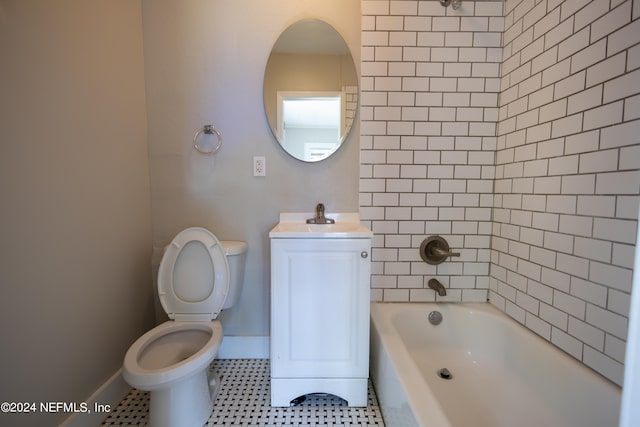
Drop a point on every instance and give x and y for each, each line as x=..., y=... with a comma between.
x=364, y=254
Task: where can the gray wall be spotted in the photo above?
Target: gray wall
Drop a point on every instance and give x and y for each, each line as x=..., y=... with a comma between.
x=204, y=63
x=75, y=205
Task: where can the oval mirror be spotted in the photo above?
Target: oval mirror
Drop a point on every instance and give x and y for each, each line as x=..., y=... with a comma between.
x=310, y=90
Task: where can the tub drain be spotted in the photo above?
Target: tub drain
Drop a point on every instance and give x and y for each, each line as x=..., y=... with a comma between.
x=444, y=374
x=435, y=317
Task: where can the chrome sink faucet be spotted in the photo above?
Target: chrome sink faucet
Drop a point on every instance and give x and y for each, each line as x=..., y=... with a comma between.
x=438, y=287
x=320, y=218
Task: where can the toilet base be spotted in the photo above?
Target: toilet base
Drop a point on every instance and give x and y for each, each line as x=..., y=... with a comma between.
x=186, y=403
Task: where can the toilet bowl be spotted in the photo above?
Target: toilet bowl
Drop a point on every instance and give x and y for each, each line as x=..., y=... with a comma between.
x=198, y=277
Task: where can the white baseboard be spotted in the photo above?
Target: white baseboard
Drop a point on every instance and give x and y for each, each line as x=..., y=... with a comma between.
x=244, y=347
x=101, y=402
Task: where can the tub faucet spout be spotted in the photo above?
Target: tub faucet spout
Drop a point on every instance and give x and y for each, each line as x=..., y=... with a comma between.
x=438, y=287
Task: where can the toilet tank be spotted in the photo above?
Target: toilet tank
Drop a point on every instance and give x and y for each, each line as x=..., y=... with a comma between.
x=236, y=252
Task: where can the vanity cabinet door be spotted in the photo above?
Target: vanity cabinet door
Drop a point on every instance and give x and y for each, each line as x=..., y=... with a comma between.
x=320, y=296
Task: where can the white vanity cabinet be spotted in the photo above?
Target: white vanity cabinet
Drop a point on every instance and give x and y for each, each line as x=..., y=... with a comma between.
x=320, y=296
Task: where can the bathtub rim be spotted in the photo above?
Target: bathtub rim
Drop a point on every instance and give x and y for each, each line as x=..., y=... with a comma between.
x=382, y=325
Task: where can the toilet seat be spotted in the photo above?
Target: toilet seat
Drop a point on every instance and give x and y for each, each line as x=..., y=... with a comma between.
x=145, y=376
x=193, y=279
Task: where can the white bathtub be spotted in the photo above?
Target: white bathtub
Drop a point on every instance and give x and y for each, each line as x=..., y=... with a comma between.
x=503, y=375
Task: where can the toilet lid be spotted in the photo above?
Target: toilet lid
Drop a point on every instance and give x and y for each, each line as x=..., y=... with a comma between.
x=193, y=279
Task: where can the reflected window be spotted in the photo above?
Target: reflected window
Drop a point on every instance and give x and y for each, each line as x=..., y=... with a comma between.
x=310, y=124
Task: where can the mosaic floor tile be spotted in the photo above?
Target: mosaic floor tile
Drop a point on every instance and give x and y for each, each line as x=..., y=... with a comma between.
x=244, y=401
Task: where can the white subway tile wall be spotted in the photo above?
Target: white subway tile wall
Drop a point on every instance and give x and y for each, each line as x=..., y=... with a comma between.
x=567, y=122
x=430, y=90
x=512, y=129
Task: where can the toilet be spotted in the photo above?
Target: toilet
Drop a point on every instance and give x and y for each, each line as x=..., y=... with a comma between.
x=198, y=277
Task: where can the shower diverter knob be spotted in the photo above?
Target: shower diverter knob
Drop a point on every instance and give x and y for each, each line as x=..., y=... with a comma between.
x=435, y=249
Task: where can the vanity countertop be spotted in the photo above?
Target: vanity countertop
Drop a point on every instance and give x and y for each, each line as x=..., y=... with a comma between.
x=294, y=226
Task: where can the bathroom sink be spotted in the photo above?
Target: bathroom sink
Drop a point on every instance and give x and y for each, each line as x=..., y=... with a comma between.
x=294, y=226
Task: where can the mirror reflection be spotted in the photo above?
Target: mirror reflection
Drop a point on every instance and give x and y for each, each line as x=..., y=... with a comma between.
x=310, y=90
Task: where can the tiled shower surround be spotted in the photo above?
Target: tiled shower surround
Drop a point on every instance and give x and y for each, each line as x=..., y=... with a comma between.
x=513, y=130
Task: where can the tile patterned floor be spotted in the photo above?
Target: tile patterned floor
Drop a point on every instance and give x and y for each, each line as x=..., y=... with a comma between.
x=244, y=401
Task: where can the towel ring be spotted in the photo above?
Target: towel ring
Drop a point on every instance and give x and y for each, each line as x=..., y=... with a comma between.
x=207, y=130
